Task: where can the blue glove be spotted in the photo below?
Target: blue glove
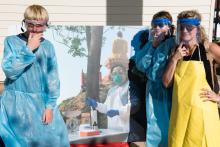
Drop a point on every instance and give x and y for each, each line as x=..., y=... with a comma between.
x=91, y=102
x=112, y=113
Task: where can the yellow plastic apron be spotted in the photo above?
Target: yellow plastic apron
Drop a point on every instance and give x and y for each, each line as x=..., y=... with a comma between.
x=193, y=123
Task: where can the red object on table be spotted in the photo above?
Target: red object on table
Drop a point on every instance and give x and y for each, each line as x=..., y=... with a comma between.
x=89, y=133
x=117, y=144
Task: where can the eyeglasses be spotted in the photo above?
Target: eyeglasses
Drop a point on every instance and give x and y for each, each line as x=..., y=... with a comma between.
x=160, y=25
x=35, y=25
x=189, y=28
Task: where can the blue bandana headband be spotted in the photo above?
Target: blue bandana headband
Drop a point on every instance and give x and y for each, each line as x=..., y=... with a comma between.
x=161, y=21
x=189, y=21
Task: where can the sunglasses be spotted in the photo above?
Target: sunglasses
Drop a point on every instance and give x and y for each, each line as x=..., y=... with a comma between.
x=189, y=28
x=160, y=25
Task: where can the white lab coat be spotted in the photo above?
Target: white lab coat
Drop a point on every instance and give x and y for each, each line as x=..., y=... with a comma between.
x=113, y=101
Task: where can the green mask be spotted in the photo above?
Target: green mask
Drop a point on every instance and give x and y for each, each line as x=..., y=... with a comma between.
x=117, y=78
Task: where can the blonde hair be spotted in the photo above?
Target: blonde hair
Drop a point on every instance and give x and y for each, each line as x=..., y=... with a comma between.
x=195, y=14
x=36, y=12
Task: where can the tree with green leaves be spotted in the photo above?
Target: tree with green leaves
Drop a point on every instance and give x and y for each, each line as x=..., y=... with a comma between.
x=75, y=38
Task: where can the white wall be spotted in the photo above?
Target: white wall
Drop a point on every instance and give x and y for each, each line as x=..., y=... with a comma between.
x=102, y=12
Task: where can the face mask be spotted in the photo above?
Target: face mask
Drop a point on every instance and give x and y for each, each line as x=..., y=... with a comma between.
x=117, y=79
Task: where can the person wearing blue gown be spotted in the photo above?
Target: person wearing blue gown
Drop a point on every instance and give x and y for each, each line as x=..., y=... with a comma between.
x=28, y=110
x=137, y=89
x=152, y=60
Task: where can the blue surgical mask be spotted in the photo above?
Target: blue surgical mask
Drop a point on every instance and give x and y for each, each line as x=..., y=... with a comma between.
x=117, y=78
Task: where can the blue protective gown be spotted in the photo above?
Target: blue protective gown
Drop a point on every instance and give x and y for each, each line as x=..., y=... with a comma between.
x=137, y=89
x=152, y=62
x=31, y=85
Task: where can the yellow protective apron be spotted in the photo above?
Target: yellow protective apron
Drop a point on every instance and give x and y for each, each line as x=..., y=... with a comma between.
x=193, y=123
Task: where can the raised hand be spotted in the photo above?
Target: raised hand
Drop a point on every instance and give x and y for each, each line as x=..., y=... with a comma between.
x=181, y=52
x=34, y=40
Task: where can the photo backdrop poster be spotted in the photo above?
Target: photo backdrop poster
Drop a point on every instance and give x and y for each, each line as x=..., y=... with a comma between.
x=87, y=57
